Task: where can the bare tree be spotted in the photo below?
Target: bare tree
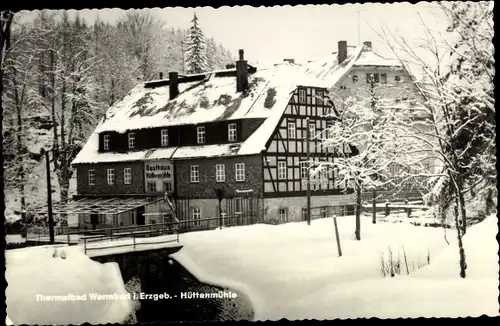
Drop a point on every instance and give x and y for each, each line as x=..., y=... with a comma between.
x=459, y=98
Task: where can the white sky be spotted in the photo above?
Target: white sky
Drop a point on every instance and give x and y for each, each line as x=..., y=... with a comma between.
x=305, y=32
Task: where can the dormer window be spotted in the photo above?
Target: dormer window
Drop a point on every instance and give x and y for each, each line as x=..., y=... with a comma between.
x=231, y=132
x=302, y=96
x=200, y=135
x=106, y=142
x=164, y=137
x=131, y=140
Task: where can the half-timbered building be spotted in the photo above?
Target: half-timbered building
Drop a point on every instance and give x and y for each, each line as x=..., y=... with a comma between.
x=233, y=141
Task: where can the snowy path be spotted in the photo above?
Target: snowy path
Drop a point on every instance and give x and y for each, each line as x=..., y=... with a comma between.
x=281, y=266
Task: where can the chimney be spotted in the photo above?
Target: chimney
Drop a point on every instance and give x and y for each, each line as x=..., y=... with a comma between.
x=241, y=73
x=367, y=45
x=230, y=66
x=290, y=61
x=161, y=75
x=173, y=84
x=342, y=52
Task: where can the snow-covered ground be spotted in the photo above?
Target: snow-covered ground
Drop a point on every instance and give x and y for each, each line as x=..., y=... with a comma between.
x=34, y=271
x=293, y=271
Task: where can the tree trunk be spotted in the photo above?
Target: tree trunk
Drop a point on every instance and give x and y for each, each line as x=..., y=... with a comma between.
x=5, y=22
x=462, y=211
x=358, y=212
x=461, y=251
x=20, y=175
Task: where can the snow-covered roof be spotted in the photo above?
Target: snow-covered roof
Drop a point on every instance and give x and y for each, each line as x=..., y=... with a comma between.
x=212, y=99
x=331, y=72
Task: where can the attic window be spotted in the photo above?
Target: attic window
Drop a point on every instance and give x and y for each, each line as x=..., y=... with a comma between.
x=200, y=135
x=106, y=142
x=231, y=130
x=397, y=78
x=355, y=79
x=302, y=96
x=131, y=140
x=164, y=137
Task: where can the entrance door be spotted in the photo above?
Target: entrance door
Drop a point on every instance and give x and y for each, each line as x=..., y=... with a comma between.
x=94, y=220
x=140, y=215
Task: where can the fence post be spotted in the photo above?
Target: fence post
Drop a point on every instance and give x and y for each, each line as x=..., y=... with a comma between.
x=68, y=236
x=85, y=245
x=387, y=209
x=337, y=234
x=133, y=237
x=374, y=207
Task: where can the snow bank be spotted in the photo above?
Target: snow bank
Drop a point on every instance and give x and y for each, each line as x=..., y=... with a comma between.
x=34, y=271
x=285, y=269
x=14, y=238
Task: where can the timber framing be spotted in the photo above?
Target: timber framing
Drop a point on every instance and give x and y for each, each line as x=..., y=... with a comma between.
x=309, y=113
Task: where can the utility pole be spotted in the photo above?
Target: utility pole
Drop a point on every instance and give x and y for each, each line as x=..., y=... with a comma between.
x=308, y=136
x=49, y=199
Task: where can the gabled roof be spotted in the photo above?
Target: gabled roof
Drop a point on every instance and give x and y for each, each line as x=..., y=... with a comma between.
x=331, y=72
x=212, y=98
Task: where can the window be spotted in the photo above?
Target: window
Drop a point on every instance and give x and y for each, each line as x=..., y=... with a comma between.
x=164, y=137
x=291, y=130
x=220, y=173
x=110, y=176
x=127, y=176
x=238, y=205
x=370, y=76
x=323, y=211
x=196, y=215
x=319, y=97
x=281, y=170
x=304, y=171
x=106, y=142
x=302, y=96
x=240, y=171
x=355, y=79
x=397, y=78
x=167, y=186
x=195, y=173
x=304, y=213
x=383, y=78
x=312, y=130
x=131, y=140
x=231, y=132
x=283, y=214
x=200, y=135
x=151, y=186
x=91, y=176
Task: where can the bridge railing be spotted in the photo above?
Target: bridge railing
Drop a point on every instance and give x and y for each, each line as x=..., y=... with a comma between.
x=135, y=232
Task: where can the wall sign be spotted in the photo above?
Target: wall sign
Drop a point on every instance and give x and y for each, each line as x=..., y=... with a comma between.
x=158, y=176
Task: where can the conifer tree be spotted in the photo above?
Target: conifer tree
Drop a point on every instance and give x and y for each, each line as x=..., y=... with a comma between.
x=196, y=55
